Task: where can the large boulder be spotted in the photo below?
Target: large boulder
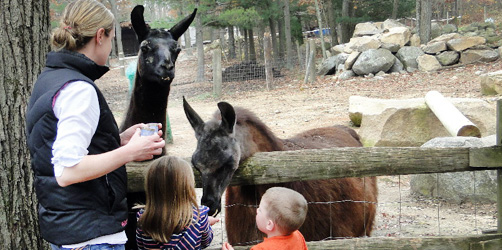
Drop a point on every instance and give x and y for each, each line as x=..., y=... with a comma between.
x=434, y=48
x=491, y=83
x=428, y=63
x=366, y=29
x=409, y=122
x=408, y=56
x=479, y=186
x=445, y=37
x=329, y=66
x=447, y=58
x=362, y=44
x=478, y=55
x=463, y=43
x=396, y=35
x=391, y=23
x=373, y=61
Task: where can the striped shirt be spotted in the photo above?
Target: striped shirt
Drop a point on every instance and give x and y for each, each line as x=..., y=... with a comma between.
x=197, y=235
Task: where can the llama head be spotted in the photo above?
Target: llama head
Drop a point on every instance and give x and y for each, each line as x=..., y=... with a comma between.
x=159, y=48
x=217, y=155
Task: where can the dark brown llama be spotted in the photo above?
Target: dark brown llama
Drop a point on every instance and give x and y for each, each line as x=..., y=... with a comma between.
x=343, y=207
x=157, y=56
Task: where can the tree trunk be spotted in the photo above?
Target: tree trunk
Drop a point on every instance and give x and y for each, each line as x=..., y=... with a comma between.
x=287, y=31
x=252, y=49
x=345, y=25
x=231, y=42
x=200, y=46
x=118, y=29
x=24, y=32
x=273, y=37
x=321, y=29
x=332, y=22
x=395, y=8
x=282, y=37
x=424, y=27
x=261, y=43
x=246, y=45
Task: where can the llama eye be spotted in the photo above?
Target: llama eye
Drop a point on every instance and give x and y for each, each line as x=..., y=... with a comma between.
x=145, y=48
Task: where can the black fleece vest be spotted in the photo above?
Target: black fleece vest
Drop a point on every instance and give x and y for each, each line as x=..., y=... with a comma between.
x=81, y=211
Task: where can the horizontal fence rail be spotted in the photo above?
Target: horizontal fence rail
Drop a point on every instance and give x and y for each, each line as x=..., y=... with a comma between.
x=286, y=166
x=302, y=165
x=485, y=242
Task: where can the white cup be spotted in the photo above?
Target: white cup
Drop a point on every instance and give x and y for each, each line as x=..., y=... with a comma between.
x=149, y=129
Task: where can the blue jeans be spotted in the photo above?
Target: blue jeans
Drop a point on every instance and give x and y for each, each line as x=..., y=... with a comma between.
x=92, y=247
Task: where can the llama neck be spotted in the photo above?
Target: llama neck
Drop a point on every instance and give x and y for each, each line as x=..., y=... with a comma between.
x=148, y=104
x=255, y=138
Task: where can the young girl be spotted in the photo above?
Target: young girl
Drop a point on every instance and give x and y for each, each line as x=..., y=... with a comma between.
x=171, y=217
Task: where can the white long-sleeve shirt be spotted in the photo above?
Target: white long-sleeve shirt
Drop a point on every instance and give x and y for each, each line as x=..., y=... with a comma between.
x=77, y=107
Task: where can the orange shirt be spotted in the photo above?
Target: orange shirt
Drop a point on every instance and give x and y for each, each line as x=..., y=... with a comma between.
x=294, y=241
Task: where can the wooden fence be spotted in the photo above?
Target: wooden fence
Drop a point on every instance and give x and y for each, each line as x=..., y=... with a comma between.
x=286, y=166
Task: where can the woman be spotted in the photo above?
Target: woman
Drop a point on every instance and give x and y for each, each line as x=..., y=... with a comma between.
x=77, y=153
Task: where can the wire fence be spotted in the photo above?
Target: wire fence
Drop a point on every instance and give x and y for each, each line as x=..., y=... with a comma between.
x=402, y=214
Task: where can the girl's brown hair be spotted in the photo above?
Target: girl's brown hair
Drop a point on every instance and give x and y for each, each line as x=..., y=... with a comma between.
x=80, y=21
x=170, y=198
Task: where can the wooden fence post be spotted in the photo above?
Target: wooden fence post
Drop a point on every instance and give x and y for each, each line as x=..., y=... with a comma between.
x=299, y=54
x=269, y=76
x=499, y=171
x=312, y=61
x=217, y=74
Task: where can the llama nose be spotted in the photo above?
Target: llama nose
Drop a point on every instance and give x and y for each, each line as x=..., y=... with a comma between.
x=167, y=64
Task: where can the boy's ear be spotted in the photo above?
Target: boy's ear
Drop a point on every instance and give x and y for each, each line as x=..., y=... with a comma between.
x=270, y=225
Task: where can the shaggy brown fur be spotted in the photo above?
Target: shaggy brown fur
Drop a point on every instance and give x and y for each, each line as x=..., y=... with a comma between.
x=332, y=212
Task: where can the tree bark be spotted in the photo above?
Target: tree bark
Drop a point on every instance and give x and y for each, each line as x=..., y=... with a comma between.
x=24, y=35
x=287, y=31
x=282, y=36
x=273, y=38
x=231, y=42
x=118, y=29
x=395, y=7
x=332, y=23
x=321, y=29
x=252, y=49
x=200, y=46
x=345, y=25
x=425, y=21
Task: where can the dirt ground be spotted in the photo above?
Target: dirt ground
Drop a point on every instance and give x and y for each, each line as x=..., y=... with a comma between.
x=291, y=107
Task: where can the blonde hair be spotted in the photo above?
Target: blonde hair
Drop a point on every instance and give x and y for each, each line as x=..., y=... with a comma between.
x=170, y=198
x=286, y=208
x=80, y=21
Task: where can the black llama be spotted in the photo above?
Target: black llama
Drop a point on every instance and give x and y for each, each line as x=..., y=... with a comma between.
x=157, y=56
x=344, y=207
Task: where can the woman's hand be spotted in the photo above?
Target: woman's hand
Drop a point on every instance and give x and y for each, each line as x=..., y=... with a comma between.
x=145, y=147
x=128, y=133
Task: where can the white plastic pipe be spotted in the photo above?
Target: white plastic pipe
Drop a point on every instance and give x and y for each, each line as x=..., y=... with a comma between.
x=451, y=118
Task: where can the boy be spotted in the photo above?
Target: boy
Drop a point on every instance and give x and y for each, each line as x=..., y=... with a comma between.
x=281, y=213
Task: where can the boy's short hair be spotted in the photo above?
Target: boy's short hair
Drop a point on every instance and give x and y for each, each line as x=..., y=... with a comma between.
x=286, y=207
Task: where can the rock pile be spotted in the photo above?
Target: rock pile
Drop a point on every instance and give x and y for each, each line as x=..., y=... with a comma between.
x=390, y=46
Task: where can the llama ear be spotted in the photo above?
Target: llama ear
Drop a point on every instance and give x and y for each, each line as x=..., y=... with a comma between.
x=138, y=22
x=227, y=116
x=178, y=29
x=194, y=119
